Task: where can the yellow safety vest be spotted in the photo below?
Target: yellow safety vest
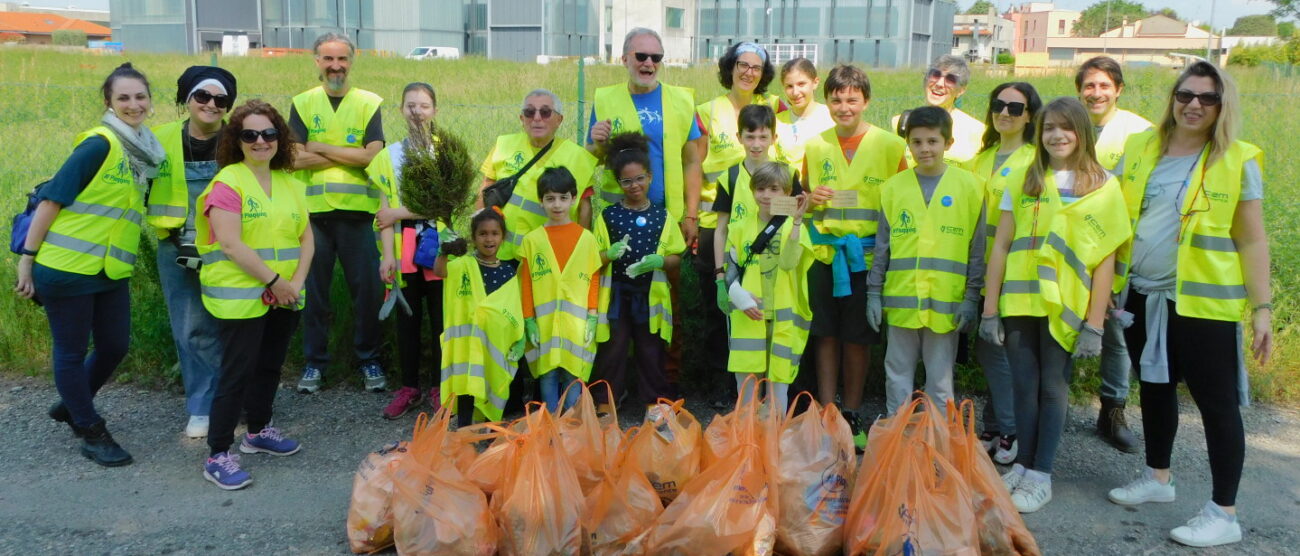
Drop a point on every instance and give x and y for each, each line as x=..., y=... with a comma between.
x=967, y=138
x=1082, y=234
x=271, y=226
x=742, y=194
x=478, y=330
x=1110, y=144
x=996, y=180
x=876, y=160
x=750, y=350
x=560, y=304
x=1210, y=283
x=1021, y=295
x=720, y=118
x=100, y=230
x=671, y=242
x=383, y=175
x=792, y=135
x=524, y=211
x=338, y=187
x=169, y=195
x=614, y=103
x=929, y=248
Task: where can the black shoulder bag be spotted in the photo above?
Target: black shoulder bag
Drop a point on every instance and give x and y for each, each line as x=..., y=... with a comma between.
x=498, y=194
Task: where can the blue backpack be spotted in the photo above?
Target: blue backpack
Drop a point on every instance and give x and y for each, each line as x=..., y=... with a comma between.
x=23, y=221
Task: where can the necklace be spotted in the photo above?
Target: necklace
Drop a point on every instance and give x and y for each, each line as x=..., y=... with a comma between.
x=642, y=207
x=492, y=263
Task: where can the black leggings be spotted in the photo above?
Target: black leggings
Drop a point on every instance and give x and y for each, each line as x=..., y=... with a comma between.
x=1204, y=354
x=423, y=296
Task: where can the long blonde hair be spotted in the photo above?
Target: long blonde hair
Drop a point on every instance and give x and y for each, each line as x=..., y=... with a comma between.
x=1226, y=126
x=1089, y=175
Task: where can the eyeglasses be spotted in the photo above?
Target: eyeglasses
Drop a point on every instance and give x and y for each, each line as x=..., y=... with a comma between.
x=545, y=112
x=642, y=56
x=1207, y=99
x=270, y=135
x=636, y=180
x=1014, y=109
x=936, y=75
x=203, y=97
x=745, y=67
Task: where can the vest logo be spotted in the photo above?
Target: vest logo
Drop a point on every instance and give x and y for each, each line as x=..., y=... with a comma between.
x=119, y=174
x=738, y=212
x=1027, y=201
x=354, y=133
x=1095, y=225
x=165, y=169
x=539, y=267
x=872, y=180
x=722, y=142
x=514, y=163
x=316, y=125
x=952, y=230
x=1005, y=171
x=616, y=126
x=253, y=209
x=828, y=172
x=465, y=289
x=1216, y=195
x=906, y=224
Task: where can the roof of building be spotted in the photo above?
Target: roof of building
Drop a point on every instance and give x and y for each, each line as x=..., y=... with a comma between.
x=46, y=24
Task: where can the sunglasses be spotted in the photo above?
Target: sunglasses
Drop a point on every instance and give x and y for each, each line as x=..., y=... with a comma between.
x=545, y=112
x=203, y=97
x=936, y=75
x=270, y=135
x=1014, y=109
x=1207, y=99
x=642, y=56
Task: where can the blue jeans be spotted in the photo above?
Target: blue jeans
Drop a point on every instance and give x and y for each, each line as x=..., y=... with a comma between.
x=194, y=330
x=74, y=320
x=1115, y=363
x=1000, y=413
x=551, y=389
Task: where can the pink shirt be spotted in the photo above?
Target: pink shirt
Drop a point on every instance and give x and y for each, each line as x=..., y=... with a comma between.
x=225, y=198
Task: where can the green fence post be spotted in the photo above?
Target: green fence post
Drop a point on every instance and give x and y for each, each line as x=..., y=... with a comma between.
x=582, y=81
x=214, y=59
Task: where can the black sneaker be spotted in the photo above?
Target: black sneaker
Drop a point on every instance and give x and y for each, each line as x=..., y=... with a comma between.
x=98, y=445
x=60, y=413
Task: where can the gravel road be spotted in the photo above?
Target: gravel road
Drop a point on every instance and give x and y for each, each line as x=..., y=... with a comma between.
x=56, y=502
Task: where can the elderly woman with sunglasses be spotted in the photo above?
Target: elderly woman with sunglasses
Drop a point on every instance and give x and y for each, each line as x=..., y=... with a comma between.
x=523, y=157
x=1199, y=264
x=207, y=93
x=945, y=82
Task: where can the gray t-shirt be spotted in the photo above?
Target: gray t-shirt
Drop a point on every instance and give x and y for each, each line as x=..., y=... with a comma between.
x=928, y=185
x=999, y=158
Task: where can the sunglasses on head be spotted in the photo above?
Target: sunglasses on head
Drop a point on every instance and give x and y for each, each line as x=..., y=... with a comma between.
x=270, y=135
x=1013, y=108
x=203, y=97
x=656, y=58
x=1207, y=99
x=936, y=75
x=545, y=112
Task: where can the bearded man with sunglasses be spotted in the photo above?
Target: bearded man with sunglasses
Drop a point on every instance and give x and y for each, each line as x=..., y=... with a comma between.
x=945, y=82
x=338, y=131
x=541, y=115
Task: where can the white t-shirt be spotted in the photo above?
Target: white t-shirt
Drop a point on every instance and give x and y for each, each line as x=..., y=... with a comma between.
x=1064, y=185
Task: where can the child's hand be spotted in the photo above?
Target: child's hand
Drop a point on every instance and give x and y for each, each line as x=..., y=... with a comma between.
x=454, y=248
x=801, y=205
x=531, y=332
x=822, y=195
x=756, y=312
x=386, y=269
x=386, y=217
x=875, y=310
x=724, y=300
x=617, y=250
x=647, y=263
x=516, y=350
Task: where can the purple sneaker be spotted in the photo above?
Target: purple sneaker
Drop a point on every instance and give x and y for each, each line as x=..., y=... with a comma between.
x=223, y=470
x=269, y=441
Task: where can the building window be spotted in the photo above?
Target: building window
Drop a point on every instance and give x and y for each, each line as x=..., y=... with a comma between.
x=673, y=17
x=1060, y=27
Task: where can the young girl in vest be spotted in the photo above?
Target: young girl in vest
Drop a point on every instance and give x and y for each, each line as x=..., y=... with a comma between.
x=799, y=117
x=757, y=125
x=1049, y=282
x=400, y=231
x=257, y=247
x=928, y=266
x=78, y=261
x=639, y=243
x=1008, y=150
x=559, y=270
x=484, y=323
x=767, y=261
x=1199, y=261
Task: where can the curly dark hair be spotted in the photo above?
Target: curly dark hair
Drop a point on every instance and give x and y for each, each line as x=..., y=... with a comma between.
x=228, y=148
x=627, y=148
x=727, y=63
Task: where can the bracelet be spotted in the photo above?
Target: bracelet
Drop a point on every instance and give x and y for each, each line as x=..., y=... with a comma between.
x=690, y=218
x=273, y=281
x=25, y=251
x=1256, y=308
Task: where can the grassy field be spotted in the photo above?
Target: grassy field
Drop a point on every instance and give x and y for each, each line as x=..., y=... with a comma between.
x=47, y=97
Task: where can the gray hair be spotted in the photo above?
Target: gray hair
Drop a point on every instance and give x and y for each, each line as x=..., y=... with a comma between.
x=638, y=31
x=333, y=37
x=556, y=105
x=955, y=65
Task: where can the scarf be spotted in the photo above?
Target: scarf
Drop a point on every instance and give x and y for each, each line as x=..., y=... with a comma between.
x=143, y=150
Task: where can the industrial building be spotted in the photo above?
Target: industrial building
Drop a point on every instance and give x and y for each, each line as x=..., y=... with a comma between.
x=189, y=26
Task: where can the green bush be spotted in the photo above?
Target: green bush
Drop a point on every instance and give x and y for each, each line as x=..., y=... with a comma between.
x=69, y=37
x=1251, y=56
x=1005, y=58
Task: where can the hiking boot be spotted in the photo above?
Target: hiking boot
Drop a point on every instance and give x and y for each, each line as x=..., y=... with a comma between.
x=1142, y=490
x=1211, y=527
x=406, y=399
x=98, y=445
x=859, y=432
x=269, y=441
x=310, y=381
x=374, y=377
x=224, y=471
x=1113, y=426
x=1006, y=450
x=60, y=413
x=197, y=427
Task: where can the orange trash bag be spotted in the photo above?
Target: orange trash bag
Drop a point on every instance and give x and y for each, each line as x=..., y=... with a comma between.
x=730, y=508
x=370, y=514
x=815, y=471
x=583, y=435
x=668, y=447
x=539, y=506
x=1002, y=532
x=621, y=509
x=435, y=509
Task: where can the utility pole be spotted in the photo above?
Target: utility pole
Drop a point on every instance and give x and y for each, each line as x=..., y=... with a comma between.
x=1209, y=41
x=1107, y=27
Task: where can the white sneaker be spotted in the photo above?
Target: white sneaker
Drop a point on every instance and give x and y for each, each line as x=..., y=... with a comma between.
x=1006, y=452
x=1211, y=527
x=1012, y=478
x=1142, y=490
x=197, y=427
x=1031, y=495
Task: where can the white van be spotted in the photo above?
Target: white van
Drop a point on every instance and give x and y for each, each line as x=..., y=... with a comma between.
x=431, y=52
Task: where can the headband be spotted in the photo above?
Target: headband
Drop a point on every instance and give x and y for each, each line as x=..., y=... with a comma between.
x=751, y=47
x=207, y=82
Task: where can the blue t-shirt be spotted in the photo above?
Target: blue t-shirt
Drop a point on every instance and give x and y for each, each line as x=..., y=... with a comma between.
x=650, y=110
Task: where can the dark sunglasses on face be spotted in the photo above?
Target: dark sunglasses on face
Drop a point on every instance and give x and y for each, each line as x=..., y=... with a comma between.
x=270, y=135
x=936, y=75
x=1014, y=109
x=1207, y=99
x=203, y=97
x=656, y=58
x=545, y=112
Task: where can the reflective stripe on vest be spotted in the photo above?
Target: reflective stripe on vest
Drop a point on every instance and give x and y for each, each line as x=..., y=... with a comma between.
x=791, y=315
x=996, y=180
x=338, y=187
x=659, y=297
x=480, y=329
x=1033, y=217
x=875, y=161
x=560, y=298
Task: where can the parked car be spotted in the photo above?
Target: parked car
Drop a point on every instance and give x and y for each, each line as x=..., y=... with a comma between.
x=431, y=52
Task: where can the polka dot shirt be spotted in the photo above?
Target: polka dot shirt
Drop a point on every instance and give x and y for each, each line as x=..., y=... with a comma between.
x=643, y=228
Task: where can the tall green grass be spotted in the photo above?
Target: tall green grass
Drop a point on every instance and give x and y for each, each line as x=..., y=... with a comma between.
x=47, y=97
